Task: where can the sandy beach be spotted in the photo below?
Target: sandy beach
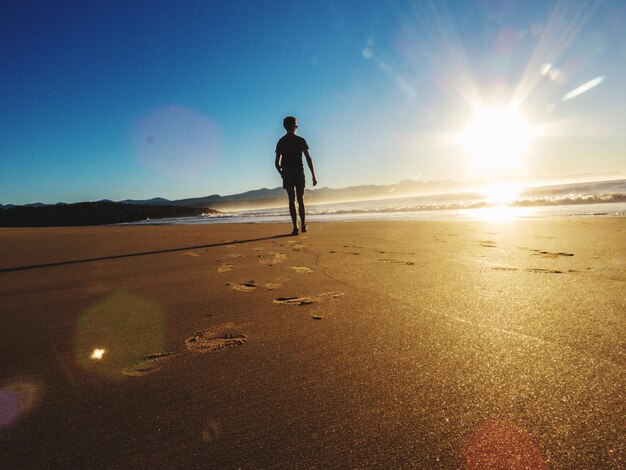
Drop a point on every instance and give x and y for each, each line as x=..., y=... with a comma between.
x=365, y=344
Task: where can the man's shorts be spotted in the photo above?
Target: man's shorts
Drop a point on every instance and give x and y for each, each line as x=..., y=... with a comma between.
x=293, y=179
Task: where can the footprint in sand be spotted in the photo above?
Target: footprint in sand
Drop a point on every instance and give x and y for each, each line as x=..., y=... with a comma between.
x=488, y=244
x=396, y=261
x=301, y=269
x=245, y=286
x=224, y=267
x=549, y=254
x=296, y=245
x=299, y=301
x=530, y=270
x=272, y=258
x=148, y=364
x=547, y=271
x=218, y=338
x=294, y=300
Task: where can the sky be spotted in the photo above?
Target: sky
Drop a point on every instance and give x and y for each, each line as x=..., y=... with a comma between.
x=134, y=100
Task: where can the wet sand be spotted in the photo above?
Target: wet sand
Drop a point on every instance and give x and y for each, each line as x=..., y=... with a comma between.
x=365, y=344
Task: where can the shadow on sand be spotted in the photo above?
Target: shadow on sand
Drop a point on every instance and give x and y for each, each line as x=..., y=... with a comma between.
x=143, y=253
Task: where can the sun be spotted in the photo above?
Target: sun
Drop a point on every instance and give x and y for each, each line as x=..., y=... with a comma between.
x=496, y=140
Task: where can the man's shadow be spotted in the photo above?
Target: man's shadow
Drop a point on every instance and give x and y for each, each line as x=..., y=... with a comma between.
x=142, y=253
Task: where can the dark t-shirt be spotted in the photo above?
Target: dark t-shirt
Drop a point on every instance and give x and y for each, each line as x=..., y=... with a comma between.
x=291, y=146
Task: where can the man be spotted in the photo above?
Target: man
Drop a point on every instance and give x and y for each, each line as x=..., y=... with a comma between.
x=289, y=150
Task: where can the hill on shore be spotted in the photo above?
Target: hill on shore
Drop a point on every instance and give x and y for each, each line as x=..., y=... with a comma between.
x=91, y=213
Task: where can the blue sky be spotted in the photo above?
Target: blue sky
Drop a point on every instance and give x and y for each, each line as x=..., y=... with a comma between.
x=185, y=98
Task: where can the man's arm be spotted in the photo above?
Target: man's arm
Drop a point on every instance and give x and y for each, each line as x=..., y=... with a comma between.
x=309, y=162
x=277, y=164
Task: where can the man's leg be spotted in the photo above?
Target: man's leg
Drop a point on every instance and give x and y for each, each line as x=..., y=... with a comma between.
x=301, y=210
x=291, y=194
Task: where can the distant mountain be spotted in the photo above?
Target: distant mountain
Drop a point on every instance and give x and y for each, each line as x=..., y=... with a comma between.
x=90, y=213
x=155, y=201
x=265, y=197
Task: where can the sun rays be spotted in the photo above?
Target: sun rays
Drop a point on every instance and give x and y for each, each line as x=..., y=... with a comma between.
x=502, y=105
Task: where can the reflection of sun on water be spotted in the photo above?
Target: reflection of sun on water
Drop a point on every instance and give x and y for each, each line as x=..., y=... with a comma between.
x=498, y=197
x=501, y=193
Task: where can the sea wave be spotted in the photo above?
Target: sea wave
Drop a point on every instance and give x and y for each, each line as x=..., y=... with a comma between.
x=570, y=200
x=449, y=206
x=220, y=215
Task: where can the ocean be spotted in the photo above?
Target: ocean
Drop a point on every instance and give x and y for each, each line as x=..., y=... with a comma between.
x=588, y=199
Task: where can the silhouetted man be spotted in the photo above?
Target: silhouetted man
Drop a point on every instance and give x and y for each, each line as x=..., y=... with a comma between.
x=289, y=150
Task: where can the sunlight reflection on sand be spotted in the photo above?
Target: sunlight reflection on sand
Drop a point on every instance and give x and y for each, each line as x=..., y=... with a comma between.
x=501, y=213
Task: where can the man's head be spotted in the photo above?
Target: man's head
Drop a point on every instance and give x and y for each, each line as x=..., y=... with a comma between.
x=290, y=124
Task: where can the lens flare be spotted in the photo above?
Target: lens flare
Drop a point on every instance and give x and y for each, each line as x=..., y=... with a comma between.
x=97, y=354
x=585, y=87
x=9, y=408
x=117, y=332
x=18, y=397
x=177, y=141
x=501, y=444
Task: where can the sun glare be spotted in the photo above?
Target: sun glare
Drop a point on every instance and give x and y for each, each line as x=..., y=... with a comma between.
x=501, y=193
x=496, y=140
x=498, y=197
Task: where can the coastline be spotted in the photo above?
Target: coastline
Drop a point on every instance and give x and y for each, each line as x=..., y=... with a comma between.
x=414, y=343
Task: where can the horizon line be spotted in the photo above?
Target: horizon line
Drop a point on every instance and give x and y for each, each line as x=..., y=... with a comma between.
x=532, y=182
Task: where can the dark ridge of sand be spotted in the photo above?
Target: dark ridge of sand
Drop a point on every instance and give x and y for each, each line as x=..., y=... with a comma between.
x=441, y=345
